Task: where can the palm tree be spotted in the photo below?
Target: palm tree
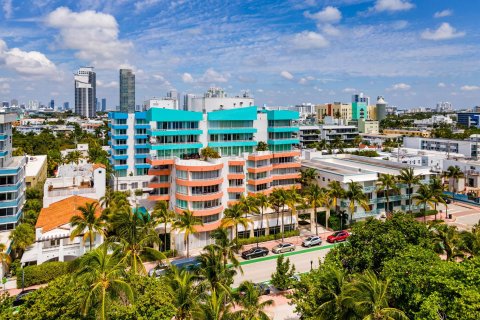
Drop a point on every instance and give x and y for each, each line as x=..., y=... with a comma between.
x=437, y=188
x=330, y=288
x=387, y=182
x=249, y=206
x=278, y=200
x=307, y=176
x=215, y=275
x=356, y=196
x=293, y=199
x=73, y=157
x=88, y=220
x=214, y=307
x=368, y=295
x=187, y=223
x=448, y=240
x=336, y=192
x=322, y=145
x=263, y=202
x=357, y=140
x=314, y=196
x=104, y=273
x=184, y=291
x=226, y=246
x=232, y=217
x=5, y=259
x=134, y=235
x=454, y=172
x=162, y=214
x=407, y=176
x=249, y=301
x=426, y=197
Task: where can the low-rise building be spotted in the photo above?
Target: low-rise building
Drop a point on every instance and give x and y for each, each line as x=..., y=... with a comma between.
x=345, y=133
x=309, y=135
x=434, y=120
x=368, y=126
x=87, y=180
x=346, y=168
x=53, y=231
x=35, y=170
x=82, y=148
x=408, y=132
x=465, y=147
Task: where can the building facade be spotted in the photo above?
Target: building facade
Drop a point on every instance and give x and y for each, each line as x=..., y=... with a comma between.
x=85, y=92
x=467, y=148
x=206, y=187
x=127, y=91
x=468, y=119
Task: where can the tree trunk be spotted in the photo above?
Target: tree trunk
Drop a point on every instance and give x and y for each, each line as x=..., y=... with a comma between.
x=425, y=212
x=188, y=246
x=102, y=312
x=283, y=226
x=261, y=225
x=236, y=235
x=388, y=203
x=435, y=211
x=316, y=223
x=165, y=236
x=90, y=238
x=409, y=198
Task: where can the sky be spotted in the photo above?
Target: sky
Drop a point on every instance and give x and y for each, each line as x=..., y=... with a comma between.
x=284, y=52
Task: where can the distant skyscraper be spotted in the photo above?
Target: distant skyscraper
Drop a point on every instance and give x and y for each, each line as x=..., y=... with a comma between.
x=187, y=101
x=85, y=92
x=104, y=104
x=127, y=91
x=52, y=104
x=444, y=107
x=14, y=103
x=66, y=106
x=5, y=104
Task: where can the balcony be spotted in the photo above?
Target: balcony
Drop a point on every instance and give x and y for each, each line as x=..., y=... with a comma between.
x=283, y=141
x=174, y=132
x=283, y=129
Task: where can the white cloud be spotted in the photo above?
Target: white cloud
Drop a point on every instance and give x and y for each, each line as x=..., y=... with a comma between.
x=470, y=88
x=145, y=4
x=93, y=34
x=328, y=15
x=260, y=90
x=444, y=32
x=286, y=75
x=309, y=40
x=187, y=78
x=330, y=30
x=441, y=85
x=7, y=8
x=30, y=63
x=392, y=5
x=349, y=90
x=400, y=87
x=443, y=13
x=209, y=77
x=4, y=88
x=111, y=84
x=400, y=24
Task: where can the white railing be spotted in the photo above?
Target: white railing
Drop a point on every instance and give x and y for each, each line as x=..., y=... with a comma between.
x=68, y=192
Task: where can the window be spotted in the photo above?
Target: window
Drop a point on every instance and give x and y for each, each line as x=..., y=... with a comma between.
x=123, y=186
x=205, y=175
x=235, y=182
x=243, y=234
x=199, y=205
x=289, y=227
x=54, y=243
x=182, y=204
x=135, y=185
x=212, y=218
x=181, y=174
x=259, y=232
x=274, y=230
x=182, y=189
x=7, y=212
x=205, y=189
x=145, y=184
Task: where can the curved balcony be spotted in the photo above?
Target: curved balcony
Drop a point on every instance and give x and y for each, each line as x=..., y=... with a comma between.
x=202, y=212
x=207, y=167
x=259, y=169
x=295, y=175
x=235, y=176
x=154, y=185
x=159, y=197
x=199, y=197
x=292, y=153
x=160, y=161
x=236, y=162
x=199, y=183
x=208, y=226
x=256, y=182
x=287, y=165
x=258, y=157
x=236, y=189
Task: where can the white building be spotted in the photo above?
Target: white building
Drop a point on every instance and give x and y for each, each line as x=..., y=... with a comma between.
x=217, y=99
x=85, y=92
x=345, y=168
x=165, y=103
x=444, y=107
x=345, y=133
x=434, y=120
x=53, y=230
x=86, y=180
x=465, y=147
x=82, y=148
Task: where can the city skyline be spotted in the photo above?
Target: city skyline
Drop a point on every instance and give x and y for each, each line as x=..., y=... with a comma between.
x=412, y=53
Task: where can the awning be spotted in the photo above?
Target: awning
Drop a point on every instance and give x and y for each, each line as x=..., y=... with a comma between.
x=29, y=255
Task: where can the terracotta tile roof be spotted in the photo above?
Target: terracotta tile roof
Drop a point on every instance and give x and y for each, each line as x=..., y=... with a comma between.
x=98, y=165
x=60, y=213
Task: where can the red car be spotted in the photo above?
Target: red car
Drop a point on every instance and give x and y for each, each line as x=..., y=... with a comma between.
x=338, y=236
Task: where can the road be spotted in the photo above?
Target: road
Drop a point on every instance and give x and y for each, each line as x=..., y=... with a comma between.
x=261, y=269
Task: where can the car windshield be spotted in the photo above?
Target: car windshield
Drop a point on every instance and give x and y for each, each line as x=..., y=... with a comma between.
x=336, y=234
x=309, y=238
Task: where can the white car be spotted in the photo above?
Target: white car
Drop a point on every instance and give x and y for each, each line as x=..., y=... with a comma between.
x=312, y=241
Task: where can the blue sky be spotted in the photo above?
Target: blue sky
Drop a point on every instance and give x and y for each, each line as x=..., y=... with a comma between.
x=284, y=52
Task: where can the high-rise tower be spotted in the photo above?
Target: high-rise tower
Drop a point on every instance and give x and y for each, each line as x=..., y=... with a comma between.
x=127, y=91
x=85, y=92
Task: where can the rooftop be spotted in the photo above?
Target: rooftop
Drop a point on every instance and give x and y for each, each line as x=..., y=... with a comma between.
x=34, y=164
x=60, y=213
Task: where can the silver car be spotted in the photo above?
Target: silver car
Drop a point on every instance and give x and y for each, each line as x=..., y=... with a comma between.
x=283, y=247
x=312, y=241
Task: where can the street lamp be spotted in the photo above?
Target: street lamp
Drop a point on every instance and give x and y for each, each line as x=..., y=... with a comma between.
x=311, y=265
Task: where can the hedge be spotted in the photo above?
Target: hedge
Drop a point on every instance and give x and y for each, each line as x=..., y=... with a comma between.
x=42, y=273
x=268, y=238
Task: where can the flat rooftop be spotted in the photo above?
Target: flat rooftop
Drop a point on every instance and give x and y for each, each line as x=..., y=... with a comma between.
x=34, y=164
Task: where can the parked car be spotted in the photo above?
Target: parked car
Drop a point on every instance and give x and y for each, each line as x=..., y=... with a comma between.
x=338, y=236
x=448, y=201
x=20, y=299
x=263, y=288
x=254, y=253
x=188, y=264
x=312, y=241
x=283, y=247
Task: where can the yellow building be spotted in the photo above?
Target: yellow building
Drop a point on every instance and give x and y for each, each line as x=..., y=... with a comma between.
x=410, y=133
x=36, y=170
x=372, y=112
x=334, y=109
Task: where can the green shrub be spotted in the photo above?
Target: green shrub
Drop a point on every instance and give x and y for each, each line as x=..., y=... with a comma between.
x=42, y=273
x=429, y=213
x=268, y=238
